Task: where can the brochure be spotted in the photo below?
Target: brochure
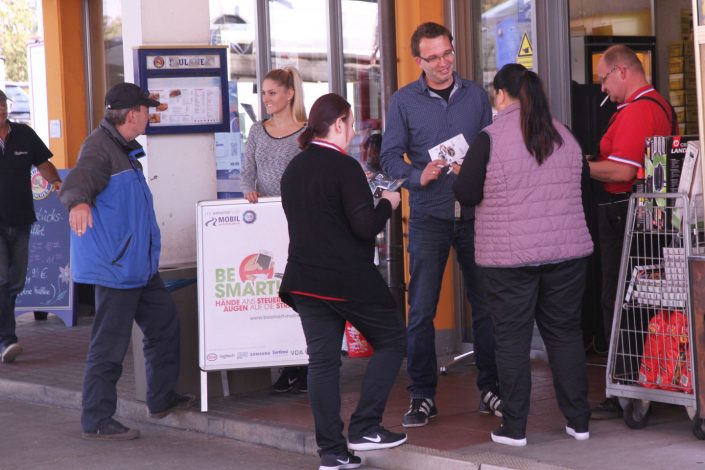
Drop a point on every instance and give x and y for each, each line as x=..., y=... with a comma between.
x=379, y=182
x=450, y=151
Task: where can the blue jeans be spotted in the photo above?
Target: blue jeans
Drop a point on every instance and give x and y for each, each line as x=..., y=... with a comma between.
x=14, y=252
x=430, y=240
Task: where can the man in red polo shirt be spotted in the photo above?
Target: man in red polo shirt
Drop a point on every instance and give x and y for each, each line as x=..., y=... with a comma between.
x=641, y=112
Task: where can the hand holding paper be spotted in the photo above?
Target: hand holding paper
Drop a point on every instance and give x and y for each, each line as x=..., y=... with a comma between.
x=450, y=151
x=432, y=171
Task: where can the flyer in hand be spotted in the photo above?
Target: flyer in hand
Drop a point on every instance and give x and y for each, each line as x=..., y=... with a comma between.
x=379, y=182
x=450, y=151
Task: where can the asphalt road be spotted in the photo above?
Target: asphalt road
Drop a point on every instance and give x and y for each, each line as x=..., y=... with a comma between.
x=39, y=437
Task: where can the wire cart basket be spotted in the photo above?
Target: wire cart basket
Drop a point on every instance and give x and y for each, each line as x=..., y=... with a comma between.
x=651, y=347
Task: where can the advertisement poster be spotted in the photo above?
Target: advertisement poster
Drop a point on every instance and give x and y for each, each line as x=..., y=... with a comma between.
x=242, y=252
x=228, y=152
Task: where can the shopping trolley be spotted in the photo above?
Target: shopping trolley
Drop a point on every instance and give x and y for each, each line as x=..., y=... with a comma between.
x=651, y=347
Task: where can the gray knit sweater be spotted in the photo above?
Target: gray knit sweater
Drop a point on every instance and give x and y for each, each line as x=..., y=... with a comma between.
x=266, y=158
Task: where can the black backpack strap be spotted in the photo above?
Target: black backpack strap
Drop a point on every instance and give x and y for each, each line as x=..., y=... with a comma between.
x=673, y=116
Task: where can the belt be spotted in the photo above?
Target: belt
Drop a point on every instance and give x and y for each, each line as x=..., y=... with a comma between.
x=613, y=198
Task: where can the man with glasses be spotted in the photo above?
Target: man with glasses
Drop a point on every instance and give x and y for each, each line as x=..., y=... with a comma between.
x=641, y=112
x=437, y=108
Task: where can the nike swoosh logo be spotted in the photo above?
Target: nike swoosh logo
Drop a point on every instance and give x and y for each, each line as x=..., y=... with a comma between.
x=343, y=462
x=291, y=381
x=377, y=438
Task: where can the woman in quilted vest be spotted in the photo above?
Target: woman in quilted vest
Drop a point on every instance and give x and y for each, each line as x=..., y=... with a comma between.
x=523, y=175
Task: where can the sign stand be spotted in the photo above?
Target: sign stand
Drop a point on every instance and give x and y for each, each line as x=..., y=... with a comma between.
x=242, y=250
x=48, y=286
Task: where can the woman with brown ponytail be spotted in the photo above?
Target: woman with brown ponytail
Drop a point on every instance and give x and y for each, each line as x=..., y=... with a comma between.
x=330, y=277
x=523, y=175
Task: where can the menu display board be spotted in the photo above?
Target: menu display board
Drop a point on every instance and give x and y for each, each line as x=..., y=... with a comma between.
x=186, y=101
x=190, y=84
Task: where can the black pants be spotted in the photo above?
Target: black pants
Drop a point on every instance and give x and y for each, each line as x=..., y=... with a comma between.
x=612, y=218
x=323, y=324
x=551, y=294
x=14, y=252
x=155, y=313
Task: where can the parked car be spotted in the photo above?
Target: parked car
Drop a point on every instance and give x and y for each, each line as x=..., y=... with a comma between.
x=20, y=105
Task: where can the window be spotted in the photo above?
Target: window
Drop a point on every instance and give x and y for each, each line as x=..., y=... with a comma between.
x=506, y=36
x=299, y=38
x=233, y=23
x=105, y=52
x=361, y=59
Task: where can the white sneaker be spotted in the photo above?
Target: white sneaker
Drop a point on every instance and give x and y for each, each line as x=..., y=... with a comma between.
x=578, y=435
x=502, y=435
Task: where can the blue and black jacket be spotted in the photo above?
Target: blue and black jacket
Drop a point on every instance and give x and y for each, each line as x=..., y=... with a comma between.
x=122, y=249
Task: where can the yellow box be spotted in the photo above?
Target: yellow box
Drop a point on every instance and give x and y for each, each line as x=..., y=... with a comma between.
x=675, y=49
x=676, y=65
x=676, y=97
x=676, y=81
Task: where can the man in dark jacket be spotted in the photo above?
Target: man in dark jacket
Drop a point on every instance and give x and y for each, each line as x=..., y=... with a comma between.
x=116, y=245
x=20, y=148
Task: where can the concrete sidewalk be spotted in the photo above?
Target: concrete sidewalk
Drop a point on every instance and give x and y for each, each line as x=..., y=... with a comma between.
x=50, y=371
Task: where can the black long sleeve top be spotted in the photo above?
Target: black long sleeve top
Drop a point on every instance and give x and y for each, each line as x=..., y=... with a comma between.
x=470, y=183
x=333, y=223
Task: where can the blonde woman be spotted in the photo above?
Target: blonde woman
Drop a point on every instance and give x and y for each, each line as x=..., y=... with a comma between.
x=271, y=144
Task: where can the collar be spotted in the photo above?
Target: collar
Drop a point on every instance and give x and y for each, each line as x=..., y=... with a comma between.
x=131, y=148
x=330, y=145
x=9, y=130
x=457, y=82
x=510, y=108
x=637, y=94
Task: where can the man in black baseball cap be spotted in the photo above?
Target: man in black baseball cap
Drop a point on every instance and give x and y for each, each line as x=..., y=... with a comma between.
x=115, y=246
x=128, y=95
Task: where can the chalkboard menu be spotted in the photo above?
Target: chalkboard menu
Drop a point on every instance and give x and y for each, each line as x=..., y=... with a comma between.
x=48, y=286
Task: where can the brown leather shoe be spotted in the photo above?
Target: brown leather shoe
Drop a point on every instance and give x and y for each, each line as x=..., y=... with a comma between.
x=180, y=402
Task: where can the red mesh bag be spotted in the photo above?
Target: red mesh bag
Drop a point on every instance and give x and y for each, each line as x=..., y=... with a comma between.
x=665, y=363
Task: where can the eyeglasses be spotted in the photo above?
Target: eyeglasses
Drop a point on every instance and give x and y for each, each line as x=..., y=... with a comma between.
x=435, y=59
x=614, y=67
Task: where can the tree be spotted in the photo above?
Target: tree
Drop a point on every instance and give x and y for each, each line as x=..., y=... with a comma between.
x=18, y=24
